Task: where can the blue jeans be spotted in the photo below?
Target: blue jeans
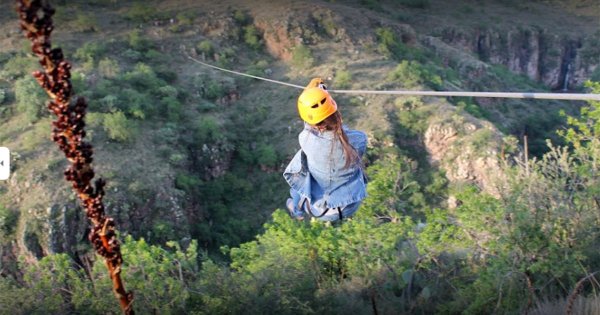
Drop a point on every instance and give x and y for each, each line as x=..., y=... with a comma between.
x=332, y=213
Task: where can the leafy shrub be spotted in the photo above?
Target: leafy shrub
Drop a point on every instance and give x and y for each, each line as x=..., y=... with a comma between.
x=173, y=108
x=167, y=134
x=177, y=159
x=141, y=12
x=205, y=47
x=30, y=98
x=251, y=37
x=139, y=105
x=258, y=68
x=4, y=57
x=411, y=74
x=8, y=223
x=266, y=155
x=206, y=130
x=2, y=96
x=302, y=57
x=326, y=22
x=241, y=17
x=185, y=18
x=109, y=68
x=407, y=73
x=166, y=73
x=132, y=54
x=168, y=90
x=187, y=182
x=413, y=121
x=211, y=88
x=470, y=108
x=154, y=56
x=353, y=252
x=18, y=66
x=392, y=47
x=143, y=78
x=94, y=119
x=159, y=276
x=226, y=56
x=342, y=79
x=393, y=190
x=388, y=42
x=90, y=51
x=214, y=90
x=206, y=106
x=138, y=41
x=591, y=49
x=118, y=127
x=481, y=139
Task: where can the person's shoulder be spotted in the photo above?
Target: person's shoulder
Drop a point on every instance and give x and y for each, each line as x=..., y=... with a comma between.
x=305, y=132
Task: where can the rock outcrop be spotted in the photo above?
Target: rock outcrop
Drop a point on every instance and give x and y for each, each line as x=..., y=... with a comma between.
x=467, y=149
x=558, y=61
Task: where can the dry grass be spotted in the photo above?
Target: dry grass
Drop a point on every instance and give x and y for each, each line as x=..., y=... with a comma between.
x=582, y=306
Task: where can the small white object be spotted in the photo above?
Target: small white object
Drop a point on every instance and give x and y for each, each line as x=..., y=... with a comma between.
x=4, y=163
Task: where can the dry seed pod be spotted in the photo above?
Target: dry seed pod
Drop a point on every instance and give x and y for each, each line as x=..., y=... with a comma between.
x=68, y=133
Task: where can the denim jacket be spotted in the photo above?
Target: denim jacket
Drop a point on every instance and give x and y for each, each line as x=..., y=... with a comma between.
x=317, y=170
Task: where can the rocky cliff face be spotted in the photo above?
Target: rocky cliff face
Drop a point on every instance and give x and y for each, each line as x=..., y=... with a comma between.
x=558, y=61
x=468, y=149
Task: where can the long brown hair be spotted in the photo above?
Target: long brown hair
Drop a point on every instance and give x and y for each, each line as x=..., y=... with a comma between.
x=334, y=123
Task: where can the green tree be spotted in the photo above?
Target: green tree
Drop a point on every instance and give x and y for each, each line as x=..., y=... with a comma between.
x=90, y=52
x=18, y=66
x=302, y=57
x=30, y=98
x=266, y=155
x=343, y=79
x=391, y=46
x=252, y=37
x=524, y=245
x=118, y=127
x=138, y=41
x=160, y=278
x=141, y=12
x=109, y=68
x=173, y=108
x=205, y=47
x=8, y=223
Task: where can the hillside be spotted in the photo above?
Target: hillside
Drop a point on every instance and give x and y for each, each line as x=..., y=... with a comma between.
x=194, y=156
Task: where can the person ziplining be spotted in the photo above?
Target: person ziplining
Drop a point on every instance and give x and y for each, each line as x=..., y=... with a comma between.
x=326, y=176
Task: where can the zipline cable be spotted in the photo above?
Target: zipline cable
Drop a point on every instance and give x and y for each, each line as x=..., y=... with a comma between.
x=523, y=95
x=244, y=74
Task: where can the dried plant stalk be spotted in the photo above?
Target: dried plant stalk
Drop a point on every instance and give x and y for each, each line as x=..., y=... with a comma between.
x=576, y=291
x=68, y=133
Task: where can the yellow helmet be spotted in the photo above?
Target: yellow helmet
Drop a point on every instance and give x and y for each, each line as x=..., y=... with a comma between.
x=315, y=104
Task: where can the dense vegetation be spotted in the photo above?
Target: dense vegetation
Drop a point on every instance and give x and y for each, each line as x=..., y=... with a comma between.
x=505, y=254
x=220, y=248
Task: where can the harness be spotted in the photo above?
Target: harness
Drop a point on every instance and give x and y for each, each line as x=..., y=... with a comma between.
x=309, y=210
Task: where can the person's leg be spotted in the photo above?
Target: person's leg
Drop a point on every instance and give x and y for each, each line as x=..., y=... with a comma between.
x=333, y=214
x=292, y=204
x=350, y=209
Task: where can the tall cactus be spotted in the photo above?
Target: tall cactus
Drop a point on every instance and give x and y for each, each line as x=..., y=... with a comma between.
x=68, y=133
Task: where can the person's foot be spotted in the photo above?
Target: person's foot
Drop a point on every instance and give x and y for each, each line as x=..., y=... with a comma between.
x=294, y=214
